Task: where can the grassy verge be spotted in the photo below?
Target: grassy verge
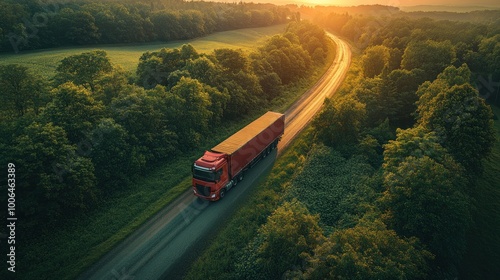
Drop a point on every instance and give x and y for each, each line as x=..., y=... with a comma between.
x=483, y=255
x=80, y=242
x=243, y=225
x=45, y=62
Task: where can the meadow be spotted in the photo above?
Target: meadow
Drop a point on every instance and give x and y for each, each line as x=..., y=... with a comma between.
x=44, y=62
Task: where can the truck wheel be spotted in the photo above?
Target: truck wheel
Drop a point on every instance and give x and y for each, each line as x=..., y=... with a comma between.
x=240, y=177
x=222, y=193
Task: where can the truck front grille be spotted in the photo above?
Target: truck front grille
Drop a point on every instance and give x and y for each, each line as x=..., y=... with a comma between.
x=205, y=191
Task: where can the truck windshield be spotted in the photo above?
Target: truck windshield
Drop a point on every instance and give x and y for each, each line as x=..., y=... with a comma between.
x=203, y=174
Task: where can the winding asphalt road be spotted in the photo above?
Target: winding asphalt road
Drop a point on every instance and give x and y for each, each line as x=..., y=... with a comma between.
x=165, y=246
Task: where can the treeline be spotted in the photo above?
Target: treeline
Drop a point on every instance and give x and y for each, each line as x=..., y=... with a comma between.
x=423, y=44
x=386, y=192
x=94, y=128
x=32, y=24
x=487, y=17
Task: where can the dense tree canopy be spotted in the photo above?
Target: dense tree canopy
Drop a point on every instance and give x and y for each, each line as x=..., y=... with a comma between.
x=289, y=231
x=53, y=178
x=452, y=108
x=366, y=252
x=22, y=91
x=339, y=123
x=83, y=69
x=32, y=24
x=88, y=134
x=74, y=109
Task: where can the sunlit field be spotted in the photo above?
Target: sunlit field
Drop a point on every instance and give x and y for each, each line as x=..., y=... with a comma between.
x=45, y=62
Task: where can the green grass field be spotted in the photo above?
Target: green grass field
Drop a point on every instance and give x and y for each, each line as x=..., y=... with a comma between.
x=44, y=62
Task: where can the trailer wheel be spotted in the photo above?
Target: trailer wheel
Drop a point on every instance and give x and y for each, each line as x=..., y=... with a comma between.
x=240, y=177
x=222, y=193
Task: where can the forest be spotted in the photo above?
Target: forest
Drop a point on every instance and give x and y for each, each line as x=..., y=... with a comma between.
x=389, y=187
x=33, y=24
x=92, y=129
x=384, y=185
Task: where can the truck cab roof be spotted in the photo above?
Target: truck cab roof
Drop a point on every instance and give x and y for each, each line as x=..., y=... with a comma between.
x=210, y=160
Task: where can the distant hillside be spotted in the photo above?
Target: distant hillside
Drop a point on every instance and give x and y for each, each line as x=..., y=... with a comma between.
x=439, y=8
x=485, y=16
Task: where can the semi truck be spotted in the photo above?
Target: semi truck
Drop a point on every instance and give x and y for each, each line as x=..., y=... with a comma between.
x=222, y=167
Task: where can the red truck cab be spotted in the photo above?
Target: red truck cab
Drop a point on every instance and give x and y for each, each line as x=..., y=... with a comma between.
x=210, y=173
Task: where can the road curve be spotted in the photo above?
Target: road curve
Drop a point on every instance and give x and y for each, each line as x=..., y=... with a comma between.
x=302, y=112
x=164, y=246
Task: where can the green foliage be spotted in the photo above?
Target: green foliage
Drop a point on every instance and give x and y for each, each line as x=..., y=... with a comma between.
x=426, y=195
x=366, y=251
x=92, y=140
x=312, y=38
x=111, y=154
x=288, y=59
x=339, y=122
x=35, y=25
x=189, y=111
x=127, y=55
x=483, y=240
x=452, y=108
x=430, y=56
x=426, y=199
x=53, y=178
x=144, y=114
x=290, y=231
x=398, y=95
x=413, y=142
x=232, y=61
x=22, y=91
x=375, y=60
x=489, y=49
x=83, y=69
x=74, y=109
x=326, y=186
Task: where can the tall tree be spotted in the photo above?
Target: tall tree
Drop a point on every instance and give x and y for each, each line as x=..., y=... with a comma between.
x=83, y=69
x=74, y=109
x=375, y=60
x=339, y=122
x=146, y=117
x=430, y=56
x=53, y=178
x=22, y=91
x=367, y=251
x=289, y=233
x=452, y=108
x=426, y=196
x=189, y=111
x=425, y=199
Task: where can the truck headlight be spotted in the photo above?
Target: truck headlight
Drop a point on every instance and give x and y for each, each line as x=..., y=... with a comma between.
x=213, y=195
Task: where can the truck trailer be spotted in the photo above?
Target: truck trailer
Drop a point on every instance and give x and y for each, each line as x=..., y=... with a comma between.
x=223, y=166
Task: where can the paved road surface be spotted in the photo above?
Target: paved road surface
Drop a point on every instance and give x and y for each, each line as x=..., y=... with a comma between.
x=164, y=246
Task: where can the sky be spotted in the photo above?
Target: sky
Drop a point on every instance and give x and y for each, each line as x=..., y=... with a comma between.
x=397, y=3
